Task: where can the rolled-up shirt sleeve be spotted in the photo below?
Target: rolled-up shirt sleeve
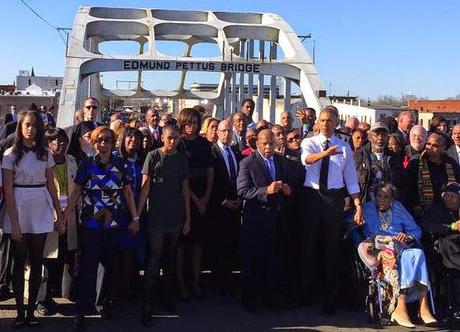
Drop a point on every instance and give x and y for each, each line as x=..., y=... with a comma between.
x=349, y=172
x=307, y=149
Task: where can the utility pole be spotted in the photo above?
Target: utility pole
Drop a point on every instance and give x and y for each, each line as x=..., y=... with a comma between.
x=67, y=32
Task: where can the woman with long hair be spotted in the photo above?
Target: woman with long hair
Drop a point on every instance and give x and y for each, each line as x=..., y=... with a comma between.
x=198, y=151
x=29, y=182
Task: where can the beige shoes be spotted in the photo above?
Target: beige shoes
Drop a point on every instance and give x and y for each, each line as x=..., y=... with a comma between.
x=401, y=321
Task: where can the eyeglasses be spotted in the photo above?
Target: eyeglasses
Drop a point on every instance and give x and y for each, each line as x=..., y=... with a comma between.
x=105, y=139
x=91, y=107
x=294, y=138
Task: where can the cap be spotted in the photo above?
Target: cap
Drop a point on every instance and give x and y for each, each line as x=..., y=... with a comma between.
x=452, y=187
x=379, y=125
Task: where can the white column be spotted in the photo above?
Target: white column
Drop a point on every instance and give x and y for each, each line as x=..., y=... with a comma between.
x=241, y=92
x=260, y=89
x=273, y=54
x=250, y=76
x=287, y=94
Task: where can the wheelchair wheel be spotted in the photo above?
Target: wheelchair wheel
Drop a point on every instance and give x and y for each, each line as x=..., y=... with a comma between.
x=371, y=309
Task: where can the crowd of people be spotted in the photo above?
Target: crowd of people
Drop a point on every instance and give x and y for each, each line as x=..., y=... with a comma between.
x=98, y=201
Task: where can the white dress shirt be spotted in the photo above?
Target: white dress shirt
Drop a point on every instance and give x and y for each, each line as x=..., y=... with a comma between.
x=224, y=155
x=458, y=152
x=342, y=170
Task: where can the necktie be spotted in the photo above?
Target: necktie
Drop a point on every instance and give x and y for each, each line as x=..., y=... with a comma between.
x=231, y=164
x=271, y=169
x=324, y=170
x=242, y=142
x=155, y=134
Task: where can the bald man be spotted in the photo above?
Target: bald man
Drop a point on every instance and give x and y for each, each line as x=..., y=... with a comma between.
x=263, y=184
x=286, y=120
x=225, y=208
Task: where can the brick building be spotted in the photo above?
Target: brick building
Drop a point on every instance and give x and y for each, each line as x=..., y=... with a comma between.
x=449, y=109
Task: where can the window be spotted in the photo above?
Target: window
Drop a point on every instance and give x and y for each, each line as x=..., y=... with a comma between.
x=30, y=81
x=57, y=83
x=421, y=122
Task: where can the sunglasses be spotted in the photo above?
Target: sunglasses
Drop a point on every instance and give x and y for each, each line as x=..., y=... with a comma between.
x=105, y=139
x=91, y=107
x=294, y=138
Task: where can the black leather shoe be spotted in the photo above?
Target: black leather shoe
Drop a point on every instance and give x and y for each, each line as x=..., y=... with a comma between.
x=19, y=322
x=79, y=323
x=106, y=312
x=328, y=310
x=31, y=320
x=146, y=317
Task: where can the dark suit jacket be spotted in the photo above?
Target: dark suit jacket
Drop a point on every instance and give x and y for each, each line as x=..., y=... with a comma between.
x=8, y=129
x=252, y=182
x=223, y=188
x=452, y=152
x=240, y=144
x=8, y=118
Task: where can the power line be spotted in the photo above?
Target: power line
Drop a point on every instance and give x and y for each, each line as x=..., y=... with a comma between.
x=43, y=19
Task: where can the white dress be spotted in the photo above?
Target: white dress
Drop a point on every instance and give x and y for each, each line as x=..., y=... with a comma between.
x=34, y=205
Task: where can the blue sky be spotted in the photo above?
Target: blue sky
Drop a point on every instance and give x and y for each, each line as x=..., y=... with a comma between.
x=370, y=48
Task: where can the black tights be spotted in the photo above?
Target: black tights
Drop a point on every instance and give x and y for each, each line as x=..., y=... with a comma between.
x=159, y=243
x=32, y=246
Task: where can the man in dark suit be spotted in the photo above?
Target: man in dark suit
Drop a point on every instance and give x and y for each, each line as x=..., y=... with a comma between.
x=12, y=116
x=454, y=150
x=263, y=184
x=152, y=117
x=225, y=208
x=239, y=130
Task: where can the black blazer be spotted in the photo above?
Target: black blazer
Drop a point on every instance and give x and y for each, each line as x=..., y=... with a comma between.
x=8, y=118
x=223, y=188
x=252, y=182
x=452, y=152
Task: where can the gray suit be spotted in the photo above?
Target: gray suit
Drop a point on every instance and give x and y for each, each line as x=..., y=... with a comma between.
x=452, y=152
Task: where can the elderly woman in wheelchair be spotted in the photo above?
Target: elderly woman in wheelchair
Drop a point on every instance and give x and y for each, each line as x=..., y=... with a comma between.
x=392, y=249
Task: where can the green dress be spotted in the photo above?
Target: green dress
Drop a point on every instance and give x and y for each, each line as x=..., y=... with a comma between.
x=165, y=208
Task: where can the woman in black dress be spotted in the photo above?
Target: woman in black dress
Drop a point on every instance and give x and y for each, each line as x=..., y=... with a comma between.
x=198, y=151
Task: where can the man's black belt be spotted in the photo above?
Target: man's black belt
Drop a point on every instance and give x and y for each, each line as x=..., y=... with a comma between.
x=28, y=185
x=330, y=192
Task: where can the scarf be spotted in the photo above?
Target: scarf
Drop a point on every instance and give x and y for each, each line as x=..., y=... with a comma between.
x=425, y=187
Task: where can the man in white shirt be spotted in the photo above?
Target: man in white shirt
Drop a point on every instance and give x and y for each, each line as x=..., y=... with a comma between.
x=454, y=150
x=330, y=177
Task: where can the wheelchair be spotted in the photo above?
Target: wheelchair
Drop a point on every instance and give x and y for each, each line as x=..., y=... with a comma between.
x=366, y=282
x=364, y=290
x=442, y=283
